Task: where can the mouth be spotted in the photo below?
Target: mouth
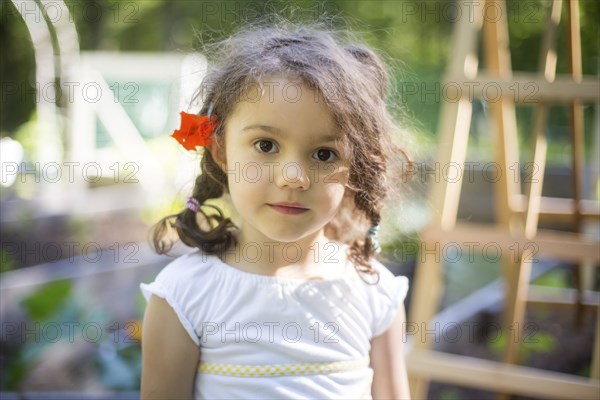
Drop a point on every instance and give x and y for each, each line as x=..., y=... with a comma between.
x=288, y=209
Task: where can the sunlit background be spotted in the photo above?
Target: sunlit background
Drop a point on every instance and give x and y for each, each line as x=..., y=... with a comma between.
x=91, y=91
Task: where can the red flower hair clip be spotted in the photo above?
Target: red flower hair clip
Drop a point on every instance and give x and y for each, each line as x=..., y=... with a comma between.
x=195, y=131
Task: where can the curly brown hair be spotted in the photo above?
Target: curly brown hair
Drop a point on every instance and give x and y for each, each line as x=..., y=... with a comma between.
x=355, y=85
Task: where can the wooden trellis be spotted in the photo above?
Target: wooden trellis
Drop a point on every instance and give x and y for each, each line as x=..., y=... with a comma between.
x=517, y=215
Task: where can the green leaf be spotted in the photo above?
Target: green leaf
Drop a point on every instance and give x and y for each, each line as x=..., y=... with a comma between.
x=47, y=300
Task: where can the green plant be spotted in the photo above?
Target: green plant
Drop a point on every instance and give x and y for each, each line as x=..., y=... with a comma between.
x=536, y=342
x=57, y=315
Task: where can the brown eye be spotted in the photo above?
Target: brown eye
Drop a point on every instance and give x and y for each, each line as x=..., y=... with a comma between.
x=264, y=146
x=325, y=155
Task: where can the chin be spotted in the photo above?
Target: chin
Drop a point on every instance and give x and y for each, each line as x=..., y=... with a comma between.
x=290, y=237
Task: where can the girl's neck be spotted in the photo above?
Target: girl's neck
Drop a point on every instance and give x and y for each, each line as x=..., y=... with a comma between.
x=312, y=257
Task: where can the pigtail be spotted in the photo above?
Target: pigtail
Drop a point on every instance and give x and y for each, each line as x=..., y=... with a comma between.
x=209, y=231
x=361, y=251
x=372, y=158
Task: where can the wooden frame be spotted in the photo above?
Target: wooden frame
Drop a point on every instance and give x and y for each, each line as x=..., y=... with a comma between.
x=517, y=214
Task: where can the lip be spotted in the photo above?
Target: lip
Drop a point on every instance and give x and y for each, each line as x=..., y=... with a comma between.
x=288, y=208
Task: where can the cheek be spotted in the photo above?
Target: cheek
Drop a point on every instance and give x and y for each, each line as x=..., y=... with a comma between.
x=334, y=194
x=247, y=181
x=245, y=197
x=338, y=179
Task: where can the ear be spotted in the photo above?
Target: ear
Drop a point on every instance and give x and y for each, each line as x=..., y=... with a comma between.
x=218, y=154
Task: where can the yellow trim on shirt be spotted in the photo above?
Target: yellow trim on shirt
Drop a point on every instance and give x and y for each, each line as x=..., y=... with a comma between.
x=267, y=370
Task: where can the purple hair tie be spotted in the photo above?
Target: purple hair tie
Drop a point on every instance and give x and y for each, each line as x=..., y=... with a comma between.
x=192, y=204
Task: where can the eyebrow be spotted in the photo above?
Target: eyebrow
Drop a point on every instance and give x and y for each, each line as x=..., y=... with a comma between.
x=277, y=132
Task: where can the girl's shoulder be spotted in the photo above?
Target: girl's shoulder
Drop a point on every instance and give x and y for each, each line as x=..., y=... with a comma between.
x=186, y=284
x=193, y=262
x=185, y=274
x=385, y=297
x=388, y=284
x=192, y=268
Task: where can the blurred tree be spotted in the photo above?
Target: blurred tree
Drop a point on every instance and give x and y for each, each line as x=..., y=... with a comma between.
x=17, y=71
x=415, y=34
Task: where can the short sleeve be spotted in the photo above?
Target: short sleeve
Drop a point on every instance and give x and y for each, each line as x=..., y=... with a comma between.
x=173, y=285
x=390, y=294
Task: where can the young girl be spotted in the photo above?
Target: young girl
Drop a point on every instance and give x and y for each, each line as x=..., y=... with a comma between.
x=288, y=302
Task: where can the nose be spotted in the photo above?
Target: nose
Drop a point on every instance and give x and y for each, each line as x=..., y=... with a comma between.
x=293, y=175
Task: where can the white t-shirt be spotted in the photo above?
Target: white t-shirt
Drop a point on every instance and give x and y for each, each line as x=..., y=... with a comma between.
x=264, y=337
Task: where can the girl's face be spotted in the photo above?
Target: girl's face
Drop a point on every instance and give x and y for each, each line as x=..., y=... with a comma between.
x=280, y=149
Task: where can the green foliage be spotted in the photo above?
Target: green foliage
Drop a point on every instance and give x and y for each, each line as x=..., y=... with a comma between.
x=47, y=300
x=15, y=368
x=414, y=35
x=119, y=368
x=7, y=263
x=45, y=304
x=585, y=371
x=16, y=68
x=556, y=278
x=531, y=343
x=116, y=354
x=25, y=135
x=451, y=394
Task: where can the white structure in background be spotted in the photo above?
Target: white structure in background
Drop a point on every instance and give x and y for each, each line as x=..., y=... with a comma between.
x=84, y=78
x=11, y=154
x=128, y=71
x=193, y=70
x=96, y=98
